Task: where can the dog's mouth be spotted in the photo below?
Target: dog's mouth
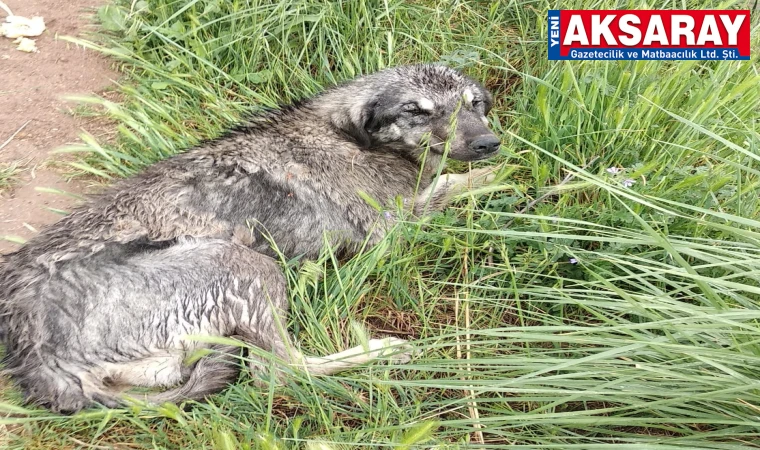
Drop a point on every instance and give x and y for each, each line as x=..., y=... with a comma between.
x=469, y=155
x=463, y=154
x=479, y=156
x=488, y=154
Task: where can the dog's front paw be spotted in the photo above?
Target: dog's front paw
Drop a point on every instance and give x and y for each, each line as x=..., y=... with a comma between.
x=482, y=176
x=397, y=350
x=462, y=182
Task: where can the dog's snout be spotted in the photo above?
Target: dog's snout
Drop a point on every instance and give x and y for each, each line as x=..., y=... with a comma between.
x=485, y=144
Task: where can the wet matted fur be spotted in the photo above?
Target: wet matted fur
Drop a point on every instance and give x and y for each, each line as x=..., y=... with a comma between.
x=106, y=297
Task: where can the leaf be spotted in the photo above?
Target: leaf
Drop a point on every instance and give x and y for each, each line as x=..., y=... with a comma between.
x=172, y=411
x=112, y=18
x=224, y=440
x=267, y=441
x=173, y=64
x=238, y=76
x=14, y=239
x=142, y=7
x=259, y=77
x=370, y=201
x=159, y=85
x=210, y=8
x=418, y=433
x=175, y=30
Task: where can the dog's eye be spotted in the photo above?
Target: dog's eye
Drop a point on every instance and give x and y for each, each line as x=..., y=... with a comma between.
x=413, y=109
x=477, y=103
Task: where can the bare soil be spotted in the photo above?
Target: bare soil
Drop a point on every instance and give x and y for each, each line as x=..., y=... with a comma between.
x=31, y=89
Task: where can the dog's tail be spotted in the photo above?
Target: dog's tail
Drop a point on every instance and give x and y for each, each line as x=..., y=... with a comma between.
x=211, y=374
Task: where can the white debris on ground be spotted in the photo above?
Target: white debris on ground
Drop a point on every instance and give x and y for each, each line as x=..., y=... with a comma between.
x=26, y=45
x=17, y=26
x=21, y=28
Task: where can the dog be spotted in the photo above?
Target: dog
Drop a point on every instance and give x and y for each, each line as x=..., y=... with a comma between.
x=105, y=298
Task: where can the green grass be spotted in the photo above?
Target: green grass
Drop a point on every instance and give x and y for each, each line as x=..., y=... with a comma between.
x=8, y=174
x=650, y=341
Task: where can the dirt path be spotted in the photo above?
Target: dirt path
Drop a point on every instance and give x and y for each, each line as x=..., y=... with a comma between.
x=31, y=86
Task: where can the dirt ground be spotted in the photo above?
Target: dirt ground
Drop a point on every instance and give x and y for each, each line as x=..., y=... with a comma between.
x=31, y=87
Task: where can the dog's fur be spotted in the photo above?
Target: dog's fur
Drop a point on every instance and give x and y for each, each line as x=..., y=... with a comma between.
x=105, y=297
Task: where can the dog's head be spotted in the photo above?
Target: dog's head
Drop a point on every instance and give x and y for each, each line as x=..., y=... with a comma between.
x=402, y=108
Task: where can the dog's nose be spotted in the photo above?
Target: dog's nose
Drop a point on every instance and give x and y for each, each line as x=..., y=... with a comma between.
x=485, y=144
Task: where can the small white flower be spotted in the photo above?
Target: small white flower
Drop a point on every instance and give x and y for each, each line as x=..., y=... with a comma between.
x=614, y=170
x=388, y=215
x=628, y=182
x=573, y=261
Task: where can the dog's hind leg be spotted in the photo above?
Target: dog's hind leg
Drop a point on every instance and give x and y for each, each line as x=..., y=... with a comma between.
x=239, y=293
x=65, y=388
x=127, y=316
x=396, y=349
x=250, y=303
x=212, y=288
x=209, y=375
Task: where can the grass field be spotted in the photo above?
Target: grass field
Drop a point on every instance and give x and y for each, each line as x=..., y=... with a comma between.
x=602, y=294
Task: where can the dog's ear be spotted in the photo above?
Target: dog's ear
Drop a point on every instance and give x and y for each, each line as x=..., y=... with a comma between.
x=488, y=99
x=356, y=123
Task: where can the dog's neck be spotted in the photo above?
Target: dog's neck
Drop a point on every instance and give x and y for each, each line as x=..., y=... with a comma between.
x=289, y=121
x=428, y=162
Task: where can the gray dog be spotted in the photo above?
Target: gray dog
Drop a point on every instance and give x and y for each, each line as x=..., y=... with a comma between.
x=107, y=297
